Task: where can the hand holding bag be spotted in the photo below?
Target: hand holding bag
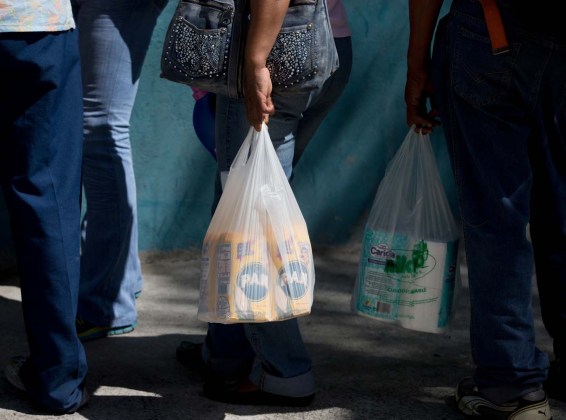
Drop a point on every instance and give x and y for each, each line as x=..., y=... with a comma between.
x=205, y=42
x=408, y=272
x=257, y=263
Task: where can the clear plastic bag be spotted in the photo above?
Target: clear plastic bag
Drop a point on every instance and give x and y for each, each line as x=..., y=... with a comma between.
x=257, y=263
x=408, y=272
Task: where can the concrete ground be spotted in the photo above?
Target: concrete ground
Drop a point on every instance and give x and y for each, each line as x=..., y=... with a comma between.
x=364, y=368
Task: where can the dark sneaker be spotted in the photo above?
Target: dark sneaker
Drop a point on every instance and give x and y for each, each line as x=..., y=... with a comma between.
x=84, y=401
x=87, y=331
x=555, y=385
x=12, y=373
x=246, y=393
x=190, y=355
x=532, y=406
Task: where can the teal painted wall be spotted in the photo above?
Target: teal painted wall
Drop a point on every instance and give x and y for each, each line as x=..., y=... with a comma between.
x=336, y=180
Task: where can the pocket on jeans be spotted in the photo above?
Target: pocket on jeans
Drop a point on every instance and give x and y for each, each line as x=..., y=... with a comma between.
x=479, y=76
x=293, y=56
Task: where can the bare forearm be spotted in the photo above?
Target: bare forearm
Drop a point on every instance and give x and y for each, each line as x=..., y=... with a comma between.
x=419, y=91
x=266, y=20
x=423, y=15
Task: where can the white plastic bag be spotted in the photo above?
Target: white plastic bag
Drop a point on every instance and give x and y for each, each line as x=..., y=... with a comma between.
x=408, y=272
x=257, y=263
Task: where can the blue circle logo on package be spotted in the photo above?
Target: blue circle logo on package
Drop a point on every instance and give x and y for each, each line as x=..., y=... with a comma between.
x=293, y=279
x=252, y=280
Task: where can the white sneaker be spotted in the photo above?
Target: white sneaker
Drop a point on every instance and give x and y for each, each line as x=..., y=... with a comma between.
x=12, y=372
x=532, y=406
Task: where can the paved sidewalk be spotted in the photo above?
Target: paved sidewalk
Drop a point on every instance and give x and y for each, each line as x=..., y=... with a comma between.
x=364, y=368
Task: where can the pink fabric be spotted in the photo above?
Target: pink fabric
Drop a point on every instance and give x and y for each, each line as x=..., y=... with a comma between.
x=338, y=19
x=198, y=93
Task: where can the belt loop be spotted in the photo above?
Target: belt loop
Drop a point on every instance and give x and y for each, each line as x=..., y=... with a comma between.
x=495, y=27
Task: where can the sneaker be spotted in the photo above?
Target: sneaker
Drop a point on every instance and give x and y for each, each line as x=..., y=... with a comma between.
x=555, y=385
x=531, y=406
x=84, y=401
x=190, y=355
x=246, y=393
x=87, y=331
x=12, y=373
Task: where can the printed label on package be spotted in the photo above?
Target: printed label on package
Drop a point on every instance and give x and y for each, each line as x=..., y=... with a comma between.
x=407, y=280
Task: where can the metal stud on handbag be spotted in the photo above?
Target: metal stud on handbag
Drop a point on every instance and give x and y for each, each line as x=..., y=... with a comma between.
x=204, y=47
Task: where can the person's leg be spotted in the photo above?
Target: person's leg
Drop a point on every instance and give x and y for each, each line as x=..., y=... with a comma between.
x=282, y=365
x=114, y=38
x=323, y=102
x=548, y=215
x=40, y=167
x=227, y=351
x=488, y=132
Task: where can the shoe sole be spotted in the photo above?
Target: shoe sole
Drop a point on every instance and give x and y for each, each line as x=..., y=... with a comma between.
x=102, y=332
x=473, y=407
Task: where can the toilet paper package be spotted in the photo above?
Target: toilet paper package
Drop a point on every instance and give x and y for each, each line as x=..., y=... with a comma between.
x=408, y=271
x=411, y=282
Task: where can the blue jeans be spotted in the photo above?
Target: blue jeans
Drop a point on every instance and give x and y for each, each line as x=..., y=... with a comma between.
x=40, y=172
x=322, y=102
x=505, y=123
x=295, y=123
x=273, y=354
x=114, y=38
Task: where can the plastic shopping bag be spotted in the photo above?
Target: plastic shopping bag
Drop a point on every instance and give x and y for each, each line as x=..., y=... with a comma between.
x=408, y=271
x=257, y=263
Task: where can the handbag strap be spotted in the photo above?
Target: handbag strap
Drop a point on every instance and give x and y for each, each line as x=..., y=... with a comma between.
x=495, y=27
x=240, y=33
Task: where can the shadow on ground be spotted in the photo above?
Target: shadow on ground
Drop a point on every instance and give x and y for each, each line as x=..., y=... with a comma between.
x=364, y=368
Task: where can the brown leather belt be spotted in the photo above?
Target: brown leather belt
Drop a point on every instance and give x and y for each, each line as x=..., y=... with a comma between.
x=495, y=27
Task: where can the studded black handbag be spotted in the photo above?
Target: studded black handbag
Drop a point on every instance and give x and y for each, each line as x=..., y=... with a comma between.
x=205, y=41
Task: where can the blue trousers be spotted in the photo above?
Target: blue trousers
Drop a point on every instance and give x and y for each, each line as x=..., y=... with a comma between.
x=505, y=122
x=40, y=172
x=114, y=36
